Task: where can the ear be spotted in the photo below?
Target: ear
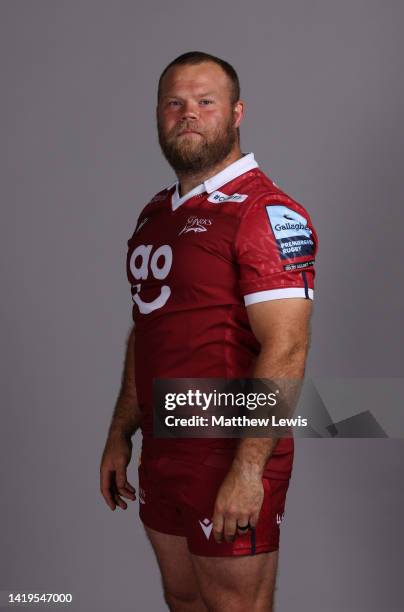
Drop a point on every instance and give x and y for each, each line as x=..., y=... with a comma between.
x=238, y=110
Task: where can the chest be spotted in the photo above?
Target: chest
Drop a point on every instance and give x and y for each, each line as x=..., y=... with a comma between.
x=182, y=247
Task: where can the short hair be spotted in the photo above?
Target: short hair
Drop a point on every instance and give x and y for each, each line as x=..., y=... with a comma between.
x=198, y=57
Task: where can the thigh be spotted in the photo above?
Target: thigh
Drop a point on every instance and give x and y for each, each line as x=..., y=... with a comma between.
x=236, y=584
x=177, y=571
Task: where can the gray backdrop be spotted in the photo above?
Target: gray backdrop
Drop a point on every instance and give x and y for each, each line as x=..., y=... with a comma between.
x=79, y=158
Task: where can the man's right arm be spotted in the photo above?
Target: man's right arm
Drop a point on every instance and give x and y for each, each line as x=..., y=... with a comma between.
x=127, y=416
x=118, y=447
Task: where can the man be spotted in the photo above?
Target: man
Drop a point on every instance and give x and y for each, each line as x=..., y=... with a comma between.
x=221, y=272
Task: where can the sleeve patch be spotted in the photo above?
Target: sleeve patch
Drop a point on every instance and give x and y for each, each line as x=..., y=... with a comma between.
x=291, y=231
x=299, y=265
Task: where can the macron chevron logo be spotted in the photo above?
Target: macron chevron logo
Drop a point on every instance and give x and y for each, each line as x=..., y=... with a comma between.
x=207, y=527
x=141, y=225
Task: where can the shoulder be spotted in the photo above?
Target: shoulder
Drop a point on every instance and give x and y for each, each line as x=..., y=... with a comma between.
x=155, y=202
x=161, y=195
x=269, y=200
x=152, y=206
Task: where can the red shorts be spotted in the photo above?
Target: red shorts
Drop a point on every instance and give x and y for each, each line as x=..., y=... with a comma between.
x=177, y=497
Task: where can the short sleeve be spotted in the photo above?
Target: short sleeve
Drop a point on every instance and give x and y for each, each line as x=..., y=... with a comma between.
x=276, y=246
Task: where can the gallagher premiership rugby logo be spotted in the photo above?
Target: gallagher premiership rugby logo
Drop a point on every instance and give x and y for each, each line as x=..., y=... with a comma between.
x=291, y=230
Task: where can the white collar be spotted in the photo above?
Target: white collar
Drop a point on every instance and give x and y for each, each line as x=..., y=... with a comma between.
x=232, y=171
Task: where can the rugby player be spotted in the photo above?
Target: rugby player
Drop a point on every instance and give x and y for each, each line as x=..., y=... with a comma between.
x=221, y=271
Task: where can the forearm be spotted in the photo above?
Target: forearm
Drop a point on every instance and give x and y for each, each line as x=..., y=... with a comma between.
x=127, y=416
x=253, y=453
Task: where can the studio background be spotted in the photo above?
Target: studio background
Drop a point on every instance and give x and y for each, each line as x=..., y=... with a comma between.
x=323, y=87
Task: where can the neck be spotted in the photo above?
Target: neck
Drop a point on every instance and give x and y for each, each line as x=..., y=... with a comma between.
x=189, y=181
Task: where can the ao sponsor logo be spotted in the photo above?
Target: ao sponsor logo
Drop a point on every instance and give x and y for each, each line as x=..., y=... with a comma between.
x=146, y=260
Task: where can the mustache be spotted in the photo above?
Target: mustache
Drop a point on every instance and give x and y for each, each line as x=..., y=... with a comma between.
x=186, y=126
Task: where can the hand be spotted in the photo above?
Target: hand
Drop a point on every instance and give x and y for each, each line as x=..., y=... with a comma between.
x=113, y=481
x=238, y=503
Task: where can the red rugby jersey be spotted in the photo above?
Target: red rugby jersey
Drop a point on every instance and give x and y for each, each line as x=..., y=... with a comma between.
x=194, y=263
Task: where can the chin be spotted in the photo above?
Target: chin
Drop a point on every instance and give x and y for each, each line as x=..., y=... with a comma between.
x=189, y=152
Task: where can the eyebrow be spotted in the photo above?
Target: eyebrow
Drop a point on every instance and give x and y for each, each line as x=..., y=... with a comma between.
x=202, y=95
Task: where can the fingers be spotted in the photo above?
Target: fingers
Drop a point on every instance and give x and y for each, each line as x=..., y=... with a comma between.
x=243, y=525
x=230, y=526
x=236, y=525
x=227, y=526
x=114, y=486
x=123, y=486
x=106, y=482
x=117, y=498
x=254, y=519
x=218, y=522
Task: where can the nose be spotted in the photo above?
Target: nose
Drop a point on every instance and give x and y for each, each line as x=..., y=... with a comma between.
x=190, y=110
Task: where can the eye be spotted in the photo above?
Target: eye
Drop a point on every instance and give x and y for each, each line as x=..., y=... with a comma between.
x=174, y=103
x=205, y=102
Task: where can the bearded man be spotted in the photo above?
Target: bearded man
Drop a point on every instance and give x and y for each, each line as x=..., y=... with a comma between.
x=221, y=271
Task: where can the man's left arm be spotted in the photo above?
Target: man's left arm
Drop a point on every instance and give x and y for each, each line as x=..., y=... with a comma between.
x=282, y=328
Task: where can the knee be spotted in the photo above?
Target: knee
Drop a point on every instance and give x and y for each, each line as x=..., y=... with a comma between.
x=240, y=602
x=182, y=602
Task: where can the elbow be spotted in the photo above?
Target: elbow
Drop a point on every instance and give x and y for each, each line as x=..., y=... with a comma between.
x=286, y=352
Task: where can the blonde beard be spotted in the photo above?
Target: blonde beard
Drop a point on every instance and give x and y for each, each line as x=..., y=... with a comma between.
x=190, y=157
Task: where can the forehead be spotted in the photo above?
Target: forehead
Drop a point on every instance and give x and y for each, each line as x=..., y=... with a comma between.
x=205, y=76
